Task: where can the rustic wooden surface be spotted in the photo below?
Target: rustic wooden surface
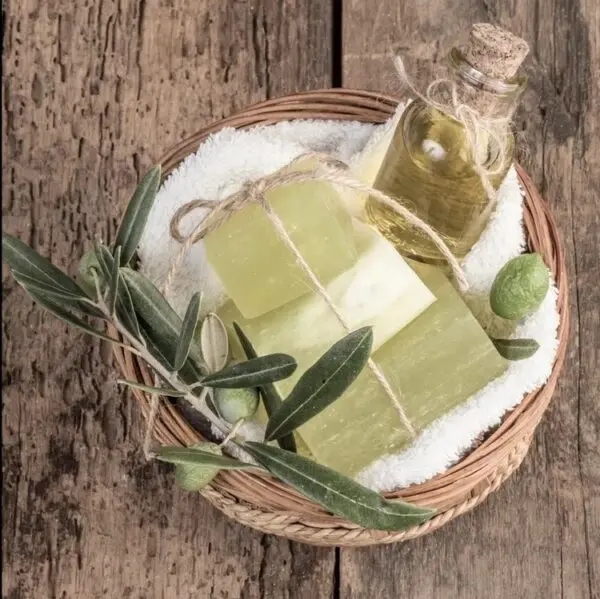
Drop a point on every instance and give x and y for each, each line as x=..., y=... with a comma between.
x=94, y=91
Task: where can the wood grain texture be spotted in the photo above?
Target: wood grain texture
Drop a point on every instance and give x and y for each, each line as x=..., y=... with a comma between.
x=539, y=536
x=94, y=92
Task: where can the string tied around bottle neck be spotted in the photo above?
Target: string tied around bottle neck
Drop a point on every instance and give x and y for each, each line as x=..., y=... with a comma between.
x=482, y=132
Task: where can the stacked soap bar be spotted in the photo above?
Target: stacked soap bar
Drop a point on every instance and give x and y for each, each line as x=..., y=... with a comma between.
x=378, y=290
x=427, y=342
x=434, y=364
x=258, y=271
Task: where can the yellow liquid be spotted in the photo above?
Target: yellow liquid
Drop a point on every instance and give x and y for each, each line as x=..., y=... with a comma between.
x=429, y=168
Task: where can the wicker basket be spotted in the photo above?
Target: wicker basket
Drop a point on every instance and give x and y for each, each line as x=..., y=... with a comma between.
x=271, y=506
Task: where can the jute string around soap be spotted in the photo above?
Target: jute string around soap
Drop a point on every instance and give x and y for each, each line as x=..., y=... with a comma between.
x=328, y=170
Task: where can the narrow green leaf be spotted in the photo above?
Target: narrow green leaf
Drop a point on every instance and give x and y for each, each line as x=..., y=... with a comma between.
x=190, y=374
x=191, y=455
x=270, y=396
x=157, y=348
x=186, y=337
x=253, y=373
x=113, y=289
x=272, y=401
x=56, y=295
x=47, y=288
x=68, y=317
x=516, y=349
x=337, y=493
x=124, y=305
x=160, y=390
x=25, y=261
x=160, y=327
x=133, y=224
x=322, y=383
x=153, y=308
x=126, y=310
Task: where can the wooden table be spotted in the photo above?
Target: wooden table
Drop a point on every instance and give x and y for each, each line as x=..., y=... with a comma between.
x=94, y=92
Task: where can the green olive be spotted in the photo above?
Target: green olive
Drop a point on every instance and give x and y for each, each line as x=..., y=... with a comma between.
x=520, y=287
x=192, y=477
x=234, y=404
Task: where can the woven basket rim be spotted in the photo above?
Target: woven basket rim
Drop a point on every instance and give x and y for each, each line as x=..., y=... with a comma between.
x=262, y=502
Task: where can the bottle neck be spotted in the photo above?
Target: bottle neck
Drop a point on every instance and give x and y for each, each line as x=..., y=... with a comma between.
x=489, y=96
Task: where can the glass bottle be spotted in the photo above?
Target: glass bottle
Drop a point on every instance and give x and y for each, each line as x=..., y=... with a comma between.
x=429, y=165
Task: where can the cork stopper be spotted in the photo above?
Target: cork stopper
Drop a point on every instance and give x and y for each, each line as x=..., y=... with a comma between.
x=494, y=51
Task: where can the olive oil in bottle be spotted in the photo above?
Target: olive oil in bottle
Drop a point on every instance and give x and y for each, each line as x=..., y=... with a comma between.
x=430, y=163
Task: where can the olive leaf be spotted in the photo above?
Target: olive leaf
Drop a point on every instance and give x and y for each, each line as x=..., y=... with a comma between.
x=160, y=390
x=65, y=315
x=516, y=349
x=322, y=383
x=133, y=224
x=270, y=396
x=186, y=337
x=214, y=342
x=339, y=494
x=161, y=320
x=59, y=297
x=53, y=291
x=258, y=371
x=152, y=307
x=192, y=455
x=158, y=350
x=191, y=373
x=125, y=309
x=26, y=262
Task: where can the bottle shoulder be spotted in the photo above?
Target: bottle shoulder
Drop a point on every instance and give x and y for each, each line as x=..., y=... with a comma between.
x=438, y=143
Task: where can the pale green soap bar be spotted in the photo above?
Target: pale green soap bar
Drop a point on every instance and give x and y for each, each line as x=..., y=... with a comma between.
x=435, y=363
x=365, y=294
x=258, y=271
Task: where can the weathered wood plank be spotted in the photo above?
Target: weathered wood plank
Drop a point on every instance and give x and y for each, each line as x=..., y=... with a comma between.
x=94, y=92
x=538, y=536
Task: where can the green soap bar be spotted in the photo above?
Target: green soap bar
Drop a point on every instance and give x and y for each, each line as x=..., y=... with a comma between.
x=365, y=294
x=435, y=363
x=258, y=271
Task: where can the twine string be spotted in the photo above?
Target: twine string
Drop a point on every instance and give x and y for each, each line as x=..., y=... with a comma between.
x=375, y=369
x=254, y=192
x=331, y=171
